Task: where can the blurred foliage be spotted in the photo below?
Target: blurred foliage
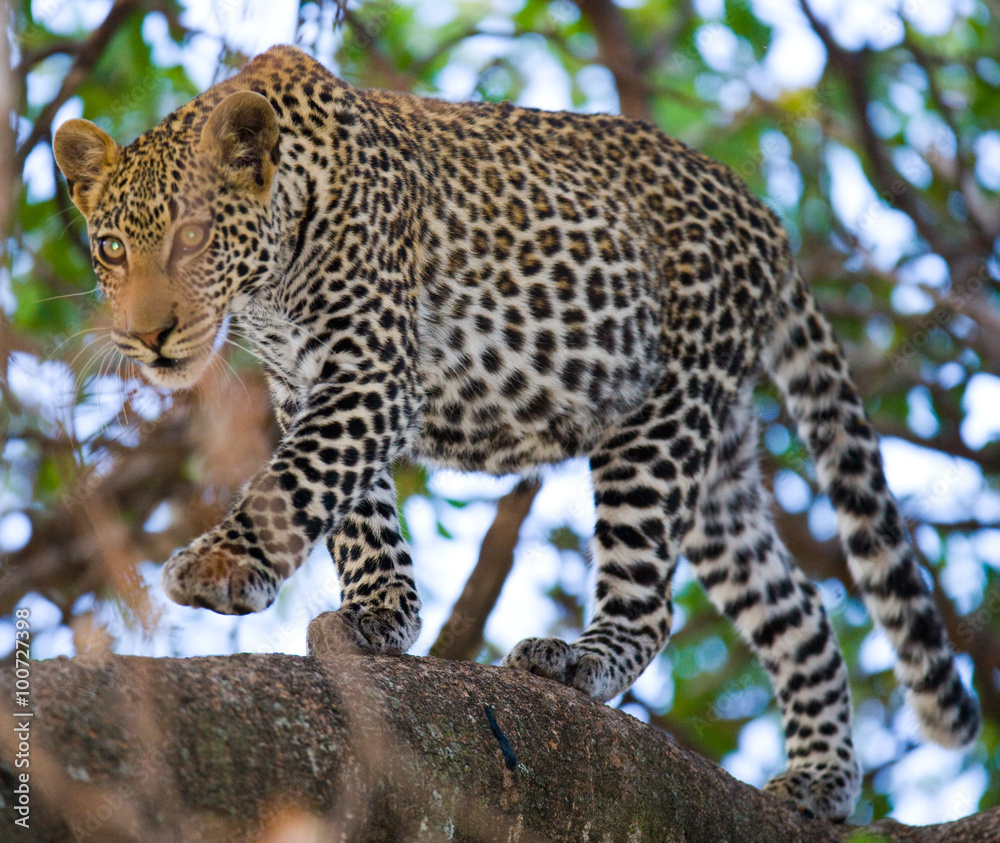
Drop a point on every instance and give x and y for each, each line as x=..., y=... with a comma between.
x=886, y=169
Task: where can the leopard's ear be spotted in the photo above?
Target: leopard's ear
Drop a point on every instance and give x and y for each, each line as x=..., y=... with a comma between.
x=86, y=155
x=241, y=136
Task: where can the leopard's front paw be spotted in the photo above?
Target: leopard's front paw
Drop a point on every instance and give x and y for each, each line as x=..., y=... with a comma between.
x=215, y=575
x=825, y=790
x=555, y=659
x=355, y=628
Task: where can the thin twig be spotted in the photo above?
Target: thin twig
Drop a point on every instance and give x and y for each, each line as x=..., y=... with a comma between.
x=615, y=46
x=88, y=56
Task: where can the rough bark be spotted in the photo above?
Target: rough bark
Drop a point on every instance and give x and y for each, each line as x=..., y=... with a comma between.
x=270, y=747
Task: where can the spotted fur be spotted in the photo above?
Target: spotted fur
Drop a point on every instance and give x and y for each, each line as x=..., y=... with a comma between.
x=490, y=287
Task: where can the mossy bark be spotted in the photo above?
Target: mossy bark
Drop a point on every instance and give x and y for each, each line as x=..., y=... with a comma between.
x=270, y=747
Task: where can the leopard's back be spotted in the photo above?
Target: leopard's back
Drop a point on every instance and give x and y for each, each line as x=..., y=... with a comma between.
x=566, y=261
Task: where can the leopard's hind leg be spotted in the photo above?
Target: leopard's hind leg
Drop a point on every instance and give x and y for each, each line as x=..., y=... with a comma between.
x=646, y=475
x=751, y=577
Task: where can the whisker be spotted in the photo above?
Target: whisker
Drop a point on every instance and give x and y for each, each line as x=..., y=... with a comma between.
x=69, y=215
x=91, y=291
x=117, y=360
x=229, y=340
x=102, y=361
x=107, y=360
x=218, y=364
x=106, y=344
x=97, y=363
x=216, y=368
x=228, y=367
x=122, y=394
x=72, y=336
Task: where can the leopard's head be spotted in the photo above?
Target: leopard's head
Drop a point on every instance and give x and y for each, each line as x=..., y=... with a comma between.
x=180, y=225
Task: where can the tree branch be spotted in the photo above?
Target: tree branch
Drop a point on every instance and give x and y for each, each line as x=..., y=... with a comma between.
x=31, y=59
x=362, y=748
x=616, y=54
x=87, y=57
x=853, y=67
x=10, y=173
x=388, y=75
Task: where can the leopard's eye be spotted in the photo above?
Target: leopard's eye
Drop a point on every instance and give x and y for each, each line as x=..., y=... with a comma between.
x=111, y=250
x=191, y=237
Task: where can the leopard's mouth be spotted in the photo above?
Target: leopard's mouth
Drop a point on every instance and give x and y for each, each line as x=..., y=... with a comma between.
x=177, y=372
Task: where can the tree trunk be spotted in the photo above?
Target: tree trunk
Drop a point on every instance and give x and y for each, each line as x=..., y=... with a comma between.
x=275, y=747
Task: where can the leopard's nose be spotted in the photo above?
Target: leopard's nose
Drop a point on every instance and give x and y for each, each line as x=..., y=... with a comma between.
x=155, y=339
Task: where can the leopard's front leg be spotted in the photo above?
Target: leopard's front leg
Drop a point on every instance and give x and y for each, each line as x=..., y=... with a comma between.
x=329, y=459
x=379, y=607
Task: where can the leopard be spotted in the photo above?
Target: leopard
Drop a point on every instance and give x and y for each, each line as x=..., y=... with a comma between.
x=495, y=288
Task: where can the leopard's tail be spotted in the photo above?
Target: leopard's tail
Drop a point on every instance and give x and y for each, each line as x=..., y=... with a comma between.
x=807, y=365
